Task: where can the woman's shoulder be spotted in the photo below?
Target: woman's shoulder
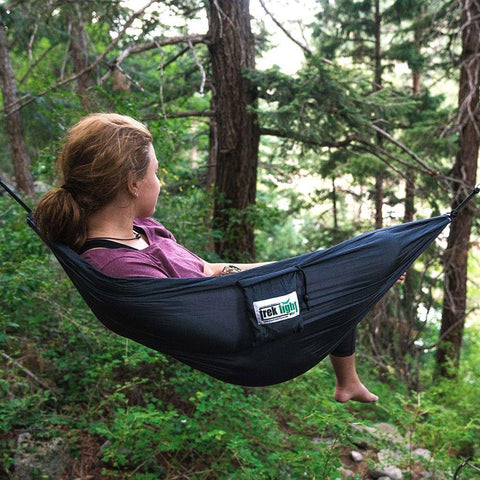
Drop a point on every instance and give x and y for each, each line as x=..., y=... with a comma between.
x=124, y=262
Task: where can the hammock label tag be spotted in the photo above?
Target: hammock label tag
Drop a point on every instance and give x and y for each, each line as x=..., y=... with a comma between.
x=277, y=309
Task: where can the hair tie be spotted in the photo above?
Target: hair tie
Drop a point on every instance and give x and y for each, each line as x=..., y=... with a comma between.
x=67, y=188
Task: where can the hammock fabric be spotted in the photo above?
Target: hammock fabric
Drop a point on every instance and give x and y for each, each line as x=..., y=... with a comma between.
x=261, y=326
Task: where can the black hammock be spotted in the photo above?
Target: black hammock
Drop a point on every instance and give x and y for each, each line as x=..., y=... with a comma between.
x=261, y=326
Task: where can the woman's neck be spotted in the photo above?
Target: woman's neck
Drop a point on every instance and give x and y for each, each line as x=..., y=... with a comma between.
x=115, y=222
x=111, y=222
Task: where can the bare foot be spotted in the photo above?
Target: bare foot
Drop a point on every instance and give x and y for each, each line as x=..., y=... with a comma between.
x=357, y=393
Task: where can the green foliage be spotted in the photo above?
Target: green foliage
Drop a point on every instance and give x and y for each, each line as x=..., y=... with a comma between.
x=147, y=417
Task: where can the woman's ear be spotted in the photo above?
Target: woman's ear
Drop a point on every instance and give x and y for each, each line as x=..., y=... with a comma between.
x=132, y=185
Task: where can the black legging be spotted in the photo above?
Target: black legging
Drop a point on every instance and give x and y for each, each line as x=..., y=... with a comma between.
x=347, y=346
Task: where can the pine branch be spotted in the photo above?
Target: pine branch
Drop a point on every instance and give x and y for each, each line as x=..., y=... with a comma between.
x=366, y=146
x=378, y=152
x=306, y=140
x=426, y=168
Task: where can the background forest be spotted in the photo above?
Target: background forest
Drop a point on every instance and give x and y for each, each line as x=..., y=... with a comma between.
x=376, y=126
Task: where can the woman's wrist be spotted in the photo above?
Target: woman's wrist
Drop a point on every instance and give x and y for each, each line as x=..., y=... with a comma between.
x=229, y=269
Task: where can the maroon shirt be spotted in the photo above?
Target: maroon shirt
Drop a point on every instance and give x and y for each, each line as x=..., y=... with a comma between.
x=163, y=257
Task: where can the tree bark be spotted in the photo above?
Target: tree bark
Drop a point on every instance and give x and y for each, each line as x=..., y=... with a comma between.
x=378, y=86
x=379, y=197
x=408, y=300
x=79, y=52
x=464, y=170
x=13, y=120
x=237, y=135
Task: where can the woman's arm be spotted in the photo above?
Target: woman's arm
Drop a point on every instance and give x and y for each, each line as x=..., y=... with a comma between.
x=217, y=269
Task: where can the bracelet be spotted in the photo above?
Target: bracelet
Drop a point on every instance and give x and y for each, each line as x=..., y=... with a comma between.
x=228, y=269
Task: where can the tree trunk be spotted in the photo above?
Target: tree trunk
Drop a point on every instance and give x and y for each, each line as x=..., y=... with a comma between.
x=379, y=195
x=408, y=300
x=236, y=134
x=13, y=120
x=378, y=86
x=79, y=52
x=464, y=170
x=334, y=207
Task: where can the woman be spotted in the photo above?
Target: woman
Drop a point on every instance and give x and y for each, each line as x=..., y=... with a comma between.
x=110, y=189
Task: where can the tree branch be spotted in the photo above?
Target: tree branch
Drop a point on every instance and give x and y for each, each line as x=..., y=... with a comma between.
x=376, y=150
x=36, y=62
x=18, y=105
x=26, y=371
x=307, y=51
x=383, y=133
x=199, y=65
x=286, y=32
x=308, y=141
x=143, y=47
x=175, y=57
x=194, y=113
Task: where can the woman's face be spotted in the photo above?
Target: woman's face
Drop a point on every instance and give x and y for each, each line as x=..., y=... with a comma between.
x=148, y=188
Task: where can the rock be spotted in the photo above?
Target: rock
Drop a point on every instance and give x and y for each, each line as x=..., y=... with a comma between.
x=357, y=427
x=364, y=435
x=387, y=457
x=40, y=459
x=356, y=456
x=383, y=432
x=389, y=432
x=346, y=473
x=323, y=440
x=392, y=473
x=422, y=452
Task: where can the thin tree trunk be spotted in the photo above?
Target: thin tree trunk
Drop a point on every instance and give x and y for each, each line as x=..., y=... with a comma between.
x=379, y=199
x=13, y=120
x=416, y=89
x=236, y=138
x=79, y=52
x=334, y=205
x=408, y=303
x=378, y=86
x=464, y=169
